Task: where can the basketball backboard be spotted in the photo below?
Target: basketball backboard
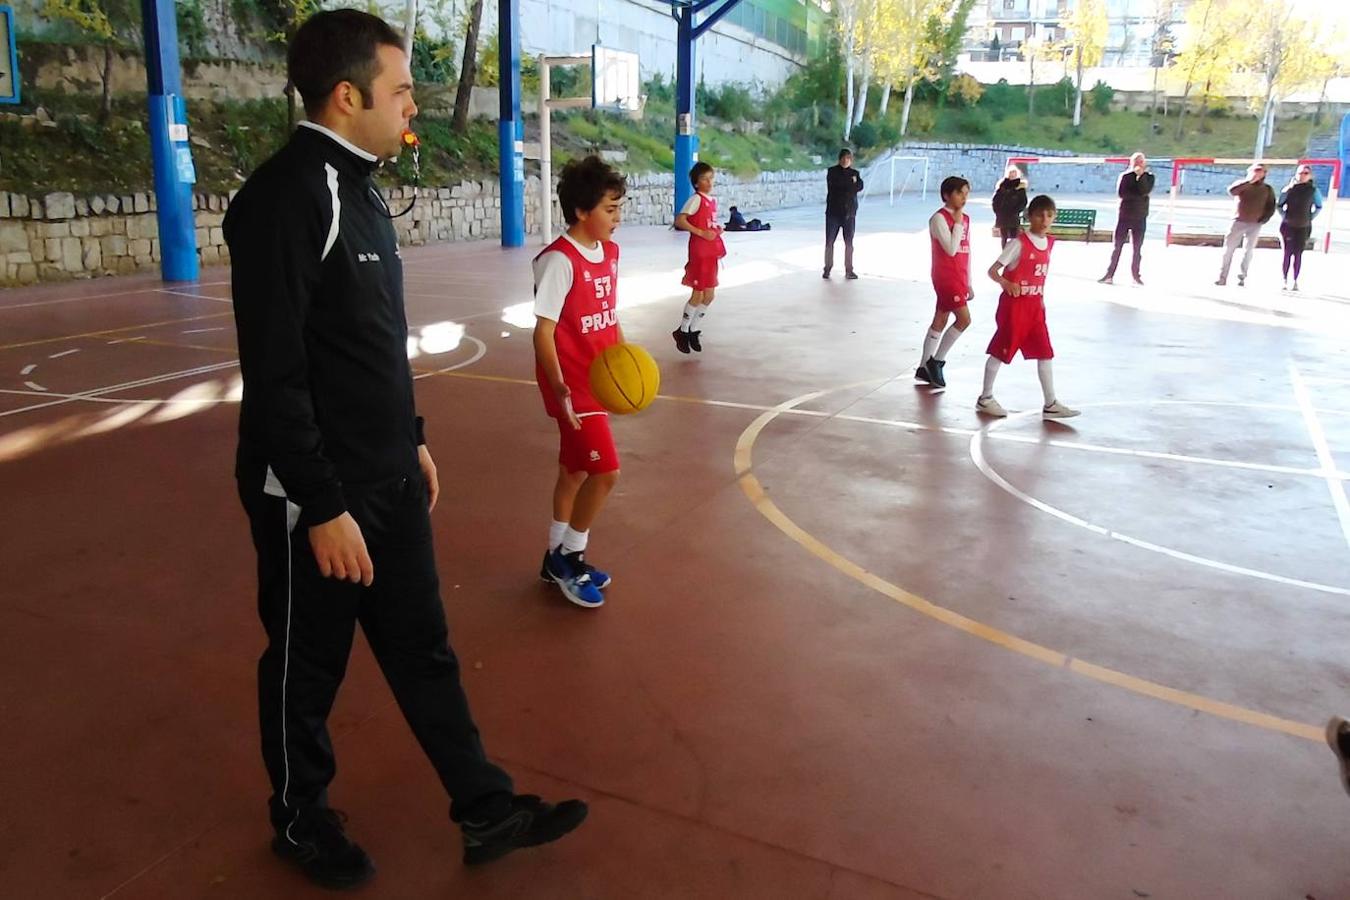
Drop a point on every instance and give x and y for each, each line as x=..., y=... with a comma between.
x=615, y=82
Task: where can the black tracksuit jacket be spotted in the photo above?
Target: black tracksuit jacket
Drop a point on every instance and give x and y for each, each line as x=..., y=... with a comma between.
x=318, y=301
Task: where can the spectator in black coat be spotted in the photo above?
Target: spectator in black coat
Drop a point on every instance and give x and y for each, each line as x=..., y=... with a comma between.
x=1133, y=188
x=843, y=184
x=1009, y=201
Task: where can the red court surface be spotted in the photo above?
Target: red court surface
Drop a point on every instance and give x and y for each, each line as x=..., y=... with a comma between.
x=861, y=643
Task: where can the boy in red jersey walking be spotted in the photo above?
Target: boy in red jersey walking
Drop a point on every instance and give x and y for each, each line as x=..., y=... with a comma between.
x=949, y=232
x=1020, y=321
x=699, y=218
x=576, y=316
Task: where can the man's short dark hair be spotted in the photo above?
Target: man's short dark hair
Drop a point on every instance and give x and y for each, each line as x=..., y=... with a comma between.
x=584, y=184
x=951, y=184
x=337, y=46
x=844, y=152
x=698, y=171
x=1038, y=203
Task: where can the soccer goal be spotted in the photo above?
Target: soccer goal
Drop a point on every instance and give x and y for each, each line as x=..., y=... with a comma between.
x=909, y=175
x=1325, y=221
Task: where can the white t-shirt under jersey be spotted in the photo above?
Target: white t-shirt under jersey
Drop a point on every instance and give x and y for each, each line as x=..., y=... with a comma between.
x=553, y=278
x=1013, y=252
x=691, y=205
x=948, y=238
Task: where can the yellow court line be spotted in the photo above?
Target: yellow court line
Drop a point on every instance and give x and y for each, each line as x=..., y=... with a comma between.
x=154, y=343
x=767, y=508
x=107, y=331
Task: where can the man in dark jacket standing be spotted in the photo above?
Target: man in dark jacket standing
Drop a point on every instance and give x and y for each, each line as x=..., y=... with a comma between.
x=1255, y=206
x=332, y=467
x=1133, y=188
x=843, y=183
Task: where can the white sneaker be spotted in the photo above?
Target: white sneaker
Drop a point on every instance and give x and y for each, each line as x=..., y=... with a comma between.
x=1295, y=285
x=990, y=407
x=1058, y=410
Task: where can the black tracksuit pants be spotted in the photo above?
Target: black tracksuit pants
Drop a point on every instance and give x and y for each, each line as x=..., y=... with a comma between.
x=1132, y=230
x=311, y=621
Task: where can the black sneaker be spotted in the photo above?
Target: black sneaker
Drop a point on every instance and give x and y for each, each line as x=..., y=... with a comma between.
x=851, y=276
x=681, y=340
x=935, y=374
x=317, y=844
x=530, y=822
x=921, y=374
x=825, y=274
x=694, y=343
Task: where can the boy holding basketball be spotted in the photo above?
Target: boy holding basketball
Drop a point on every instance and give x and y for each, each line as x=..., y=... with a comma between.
x=1020, y=321
x=949, y=232
x=699, y=218
x=576, y=317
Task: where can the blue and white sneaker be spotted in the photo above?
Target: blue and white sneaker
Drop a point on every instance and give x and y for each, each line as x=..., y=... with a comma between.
x=569, y=572
x=598, y=578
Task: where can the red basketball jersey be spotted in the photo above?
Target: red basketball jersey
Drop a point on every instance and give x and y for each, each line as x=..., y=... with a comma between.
x=588, y=324
x=706, y=220
x=1031, y=269
x=951, y=274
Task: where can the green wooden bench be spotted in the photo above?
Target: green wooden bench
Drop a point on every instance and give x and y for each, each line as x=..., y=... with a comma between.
x=1071, y=223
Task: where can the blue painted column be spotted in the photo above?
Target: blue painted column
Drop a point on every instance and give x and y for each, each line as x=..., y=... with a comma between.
x=686, y=138
x=510, y=125
x=173, y=168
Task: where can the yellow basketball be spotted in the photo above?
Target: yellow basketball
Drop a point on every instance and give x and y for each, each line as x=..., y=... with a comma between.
x=625, y=379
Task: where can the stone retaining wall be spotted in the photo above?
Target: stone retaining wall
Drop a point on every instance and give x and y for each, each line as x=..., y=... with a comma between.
x=62, y=235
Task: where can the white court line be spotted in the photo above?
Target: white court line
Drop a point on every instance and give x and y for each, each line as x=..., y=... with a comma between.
x=204, y=330
x=28, y=369
x=1071, y=445
x=35, y=386
x=145, y=290
x=1319, y=440
x=64, y=353
x=194, y=296
x=139, y=337
x=125, y=386
x=478, y=354
x=981, y=463
x=114, y=401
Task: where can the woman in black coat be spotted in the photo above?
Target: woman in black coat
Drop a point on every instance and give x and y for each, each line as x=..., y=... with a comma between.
x=1009, y=201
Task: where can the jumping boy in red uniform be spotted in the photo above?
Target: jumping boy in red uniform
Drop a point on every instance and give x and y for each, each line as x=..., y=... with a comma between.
x=699, y=218
x=1020, y=321
x=576, y=316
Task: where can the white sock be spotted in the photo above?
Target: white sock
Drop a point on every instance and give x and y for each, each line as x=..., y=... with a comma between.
x=555, y=534
x=574, y=541
x=699, y=313
x=930, y=342
x=1047, y=376
x=687, y=318
x=991, y=368
x=947, y=340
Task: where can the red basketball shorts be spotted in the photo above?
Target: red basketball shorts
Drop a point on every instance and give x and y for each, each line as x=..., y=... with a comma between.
x=591, y=448
x=700, y=274
x=1019, y=326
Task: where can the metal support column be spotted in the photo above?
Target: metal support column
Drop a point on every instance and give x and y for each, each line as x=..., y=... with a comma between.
x=511, y=126
x=173, y=169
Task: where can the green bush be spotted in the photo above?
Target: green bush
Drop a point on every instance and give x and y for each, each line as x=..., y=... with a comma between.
x=731, y=102
x=1100, y=97
x=973, y=123
x=865, y=135
x=1002, y=98
x=922, y=119
x=658, y=90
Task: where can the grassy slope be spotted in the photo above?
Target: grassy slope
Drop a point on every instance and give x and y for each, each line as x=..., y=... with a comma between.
x=231, y=139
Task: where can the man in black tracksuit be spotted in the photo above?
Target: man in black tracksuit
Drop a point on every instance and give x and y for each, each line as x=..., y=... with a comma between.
x=332, y=466
x=1133, y=188
x=842, y=185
